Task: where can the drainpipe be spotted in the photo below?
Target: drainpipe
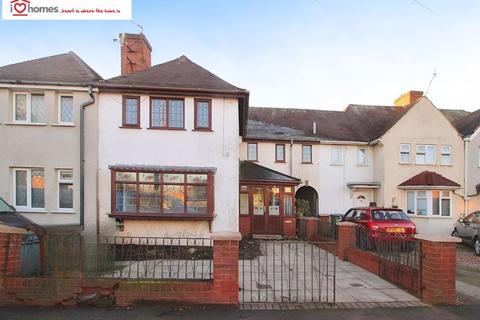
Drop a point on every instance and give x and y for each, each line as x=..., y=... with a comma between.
x=291, y=165
x=83, y=106
x=465, y=182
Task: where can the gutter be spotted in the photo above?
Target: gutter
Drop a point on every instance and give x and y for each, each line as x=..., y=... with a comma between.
x=47, y=83
x=83, y=106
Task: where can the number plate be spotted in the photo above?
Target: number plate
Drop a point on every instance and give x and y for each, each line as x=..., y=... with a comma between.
x=396, y=230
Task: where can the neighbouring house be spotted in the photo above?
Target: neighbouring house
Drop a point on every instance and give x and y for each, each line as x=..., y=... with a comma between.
x=410, y=155
x=168, y=161
x=41, y=104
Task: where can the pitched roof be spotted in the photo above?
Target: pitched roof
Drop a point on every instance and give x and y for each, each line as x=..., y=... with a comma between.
x=468, y=124
x=250, y=171
x=66, y=68
x=180, y=73
x=359, y=123
x=430, y=179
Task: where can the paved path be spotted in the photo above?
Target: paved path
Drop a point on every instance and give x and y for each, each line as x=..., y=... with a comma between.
x=301, y=272
x=468, y=272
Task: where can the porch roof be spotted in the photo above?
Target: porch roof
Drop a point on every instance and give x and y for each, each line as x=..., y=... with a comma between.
x=252, y=172
x=428, y=180
x=364, y=185
x=157, y=168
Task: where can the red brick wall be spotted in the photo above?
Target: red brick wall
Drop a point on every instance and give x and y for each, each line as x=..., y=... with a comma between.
x=289, y=226
x=346, y=239
x=245, y=228
x=10, y=247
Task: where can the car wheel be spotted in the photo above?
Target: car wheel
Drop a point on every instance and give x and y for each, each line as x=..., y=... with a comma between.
x=455, y=233
x=476, y=246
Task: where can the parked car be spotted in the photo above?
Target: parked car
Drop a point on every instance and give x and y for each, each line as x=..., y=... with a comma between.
x=468, y=229
x=387, y=220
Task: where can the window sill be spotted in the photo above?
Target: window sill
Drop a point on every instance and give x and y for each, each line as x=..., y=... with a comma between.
x=362, y=165
x=336, y=164
x=430, y=217
x=174, y=129
x=63, y=125
x=130, y=127
x=161, y=217
x=202, y=130
x=31, y=210
x=26, y=124
x=306, y=162
x=64, y=211
x=405, y=163
x=280, y=161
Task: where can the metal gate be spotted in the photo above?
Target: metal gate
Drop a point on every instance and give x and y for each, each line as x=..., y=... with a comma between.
x=286, y=271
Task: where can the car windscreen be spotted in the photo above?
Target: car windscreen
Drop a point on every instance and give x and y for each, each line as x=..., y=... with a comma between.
x=385, y=215
x=4, y=207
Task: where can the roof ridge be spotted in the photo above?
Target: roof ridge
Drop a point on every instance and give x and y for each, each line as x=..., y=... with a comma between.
x=85, y=66
x=295, y=109
x=36, y=59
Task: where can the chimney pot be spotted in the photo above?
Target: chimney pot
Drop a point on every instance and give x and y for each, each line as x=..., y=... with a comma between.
x=408, y=98
x=135, y=54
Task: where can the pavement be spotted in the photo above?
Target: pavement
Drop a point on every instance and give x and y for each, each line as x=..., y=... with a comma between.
x=301, y=272
x=468, y=272
x=150, y=312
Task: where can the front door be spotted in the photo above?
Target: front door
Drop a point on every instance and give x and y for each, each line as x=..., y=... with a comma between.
x=266, y=217
x=361, y=199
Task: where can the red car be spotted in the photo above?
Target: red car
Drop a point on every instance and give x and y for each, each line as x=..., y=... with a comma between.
x=388, y=220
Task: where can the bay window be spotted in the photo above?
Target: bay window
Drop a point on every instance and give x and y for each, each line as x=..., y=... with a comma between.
x=429, y=203
x=162, y=194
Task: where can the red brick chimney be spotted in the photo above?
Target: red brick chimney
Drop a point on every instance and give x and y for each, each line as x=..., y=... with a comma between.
x=136, y=52
x=408, y=98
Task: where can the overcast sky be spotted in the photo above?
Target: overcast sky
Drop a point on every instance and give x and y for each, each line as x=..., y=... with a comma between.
x=304, y=53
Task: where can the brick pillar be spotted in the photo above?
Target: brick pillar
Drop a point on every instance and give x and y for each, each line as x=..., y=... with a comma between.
x=438, y=268
x=225, y=267
x=10, y=250
x=346, y=238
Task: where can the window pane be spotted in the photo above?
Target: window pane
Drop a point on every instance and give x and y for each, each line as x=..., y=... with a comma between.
x=126, y=176
x=197, y=199
x=131, y=111
x=149, y=198
x=422, y=206
x=173, y=199
x=288, y=190
x=65, y=195
x=243, y=188
x=159, y=113
x=252, y=152
x=149, y=177
x=244, y=203
x=274, y=202
x=445, y=207
x=335, y=155
x=38, y=108
x=66, y=175
x=21, y=107
x=446, y=159
x=405, y=158
x=435, y=203
x=280, y=149
x=430, y=155
x=173, y=178
x=288, y=208
x=203, y=117
x=66, y=109
x=306, y=154
x=175, y=110
x=21, y=188
x=258, y=201
x=197, y=178
x=361, y=156
x=410, y=202
x=126, y=197
x=38, y=188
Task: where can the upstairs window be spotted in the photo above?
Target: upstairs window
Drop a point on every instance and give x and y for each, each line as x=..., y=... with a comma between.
x=166, y=113
x=279, y=153
x=362, y=156
x=446, y=155
x=203, y=114
x=65, y=114
x=252, y=152
x=425, y=154
x=405, y=153
x=29, y=108
x=306, y=154
x=131, y=112
x=336, y=156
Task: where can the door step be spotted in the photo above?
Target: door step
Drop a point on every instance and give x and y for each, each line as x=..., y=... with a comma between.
x=267, y=236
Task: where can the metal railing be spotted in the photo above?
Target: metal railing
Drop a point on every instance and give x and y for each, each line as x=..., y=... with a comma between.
x=327, y=229
x=115, y=257
x=395, y=247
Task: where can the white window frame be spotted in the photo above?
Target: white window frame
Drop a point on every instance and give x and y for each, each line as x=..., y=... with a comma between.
x=28, y=119
x=59, y=181
x=339, y=152
x=248, y=151
x=425, y=154
x=409, y=153
x=29, y=189
x=364, y=163
x=59, y=116
x=429, y=197
x=446, y=153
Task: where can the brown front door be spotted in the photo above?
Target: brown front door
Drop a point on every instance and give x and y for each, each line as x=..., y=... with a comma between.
x=266, y=215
